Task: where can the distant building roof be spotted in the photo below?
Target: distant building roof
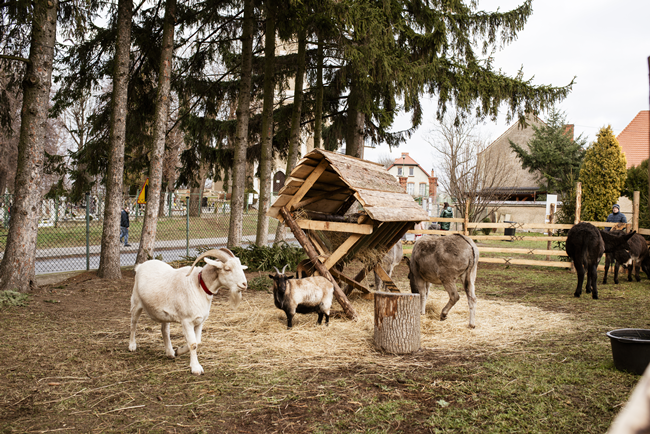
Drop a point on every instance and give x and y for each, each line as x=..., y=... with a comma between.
x=405, y=160
x=635, y=139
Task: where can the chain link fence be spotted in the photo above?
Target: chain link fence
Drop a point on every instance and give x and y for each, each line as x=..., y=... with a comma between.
x=70, y=234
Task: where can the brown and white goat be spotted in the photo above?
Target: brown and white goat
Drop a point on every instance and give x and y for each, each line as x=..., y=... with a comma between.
x=184, y=296
x=308, y=295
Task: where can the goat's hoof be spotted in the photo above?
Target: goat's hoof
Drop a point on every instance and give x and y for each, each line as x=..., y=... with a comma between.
x=443, y=317
x=472, y=326
x=198, y=370
x=132, y=347
x=576, y=295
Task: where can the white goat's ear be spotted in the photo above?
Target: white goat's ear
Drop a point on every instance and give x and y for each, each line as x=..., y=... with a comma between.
x=214, y=263
x=244, y=267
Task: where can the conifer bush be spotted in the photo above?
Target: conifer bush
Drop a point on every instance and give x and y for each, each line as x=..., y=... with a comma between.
x=603, y=176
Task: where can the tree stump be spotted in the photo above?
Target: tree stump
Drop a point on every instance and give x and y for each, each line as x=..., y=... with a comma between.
x=397, y=322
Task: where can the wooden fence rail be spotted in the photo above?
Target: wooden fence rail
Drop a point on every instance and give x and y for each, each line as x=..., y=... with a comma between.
x=549, y=227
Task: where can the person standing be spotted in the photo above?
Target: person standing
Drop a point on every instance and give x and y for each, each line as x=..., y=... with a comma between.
x=124, y=227
x=446, y=213
x=616, y=216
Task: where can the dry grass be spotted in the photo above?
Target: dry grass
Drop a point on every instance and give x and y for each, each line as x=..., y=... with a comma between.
x=255, y=333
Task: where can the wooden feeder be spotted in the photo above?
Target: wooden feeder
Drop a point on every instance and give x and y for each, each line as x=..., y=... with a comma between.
x=317, y=201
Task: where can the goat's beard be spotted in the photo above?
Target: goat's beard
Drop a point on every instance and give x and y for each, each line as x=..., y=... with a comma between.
x=235, y=298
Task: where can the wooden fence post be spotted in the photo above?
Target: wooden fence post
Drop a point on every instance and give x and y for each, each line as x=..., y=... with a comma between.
x=465, y=229
x=397, y=322
x=551, y=220
x=578, y=202
x=635, y=210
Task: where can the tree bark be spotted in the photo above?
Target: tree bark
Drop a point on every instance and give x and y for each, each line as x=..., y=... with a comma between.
x=266, y=160
x=109, y=260
x=397, y=322
x=241, y=134
x=18, y=267
x=148, y=238
x=356, y=123
x=318, y=103
x=294, y=141
x=313, y=256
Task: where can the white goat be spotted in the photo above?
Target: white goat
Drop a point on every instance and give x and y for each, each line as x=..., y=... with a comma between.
x=311, y=294
x=184, y=296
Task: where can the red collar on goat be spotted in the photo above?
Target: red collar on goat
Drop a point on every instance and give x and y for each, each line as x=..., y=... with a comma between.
x=202, y=283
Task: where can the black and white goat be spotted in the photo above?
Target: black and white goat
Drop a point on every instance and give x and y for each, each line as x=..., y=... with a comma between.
x=184, y=295
x=308, y=295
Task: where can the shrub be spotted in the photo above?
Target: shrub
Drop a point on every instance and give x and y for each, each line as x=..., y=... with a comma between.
x=603, y=175
x=13, y=298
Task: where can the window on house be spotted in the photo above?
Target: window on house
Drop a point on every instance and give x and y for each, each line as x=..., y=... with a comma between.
x=399, y=171
x=423, y=189
x=410, y=188
x=410, y=171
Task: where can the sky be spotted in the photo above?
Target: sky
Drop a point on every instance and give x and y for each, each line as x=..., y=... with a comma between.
x=604, y=44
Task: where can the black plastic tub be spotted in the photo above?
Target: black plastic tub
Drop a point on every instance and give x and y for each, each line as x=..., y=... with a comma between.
x=630, y=349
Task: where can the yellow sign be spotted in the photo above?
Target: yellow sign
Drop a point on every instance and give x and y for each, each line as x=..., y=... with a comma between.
x=142, y=197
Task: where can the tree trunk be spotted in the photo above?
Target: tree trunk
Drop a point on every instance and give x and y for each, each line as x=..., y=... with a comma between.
x=18, y=267
x=148, y=238
x=266, y=159
x=196, y=192
x=241, y=134
x=109, y=260
x=318, y=104
x=397, y=322
x=356, y=123
x=294, y=142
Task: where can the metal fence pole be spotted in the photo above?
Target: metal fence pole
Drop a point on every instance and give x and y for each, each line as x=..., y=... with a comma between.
x=87, y=231
x=187, y=227
x=170, y=204
x=56, y=212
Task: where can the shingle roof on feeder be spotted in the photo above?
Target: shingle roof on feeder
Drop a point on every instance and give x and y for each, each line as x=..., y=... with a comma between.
x=316, y=198
x=343, y=176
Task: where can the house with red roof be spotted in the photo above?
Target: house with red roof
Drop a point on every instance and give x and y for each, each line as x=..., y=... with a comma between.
x=416, y=181
x=635, y=139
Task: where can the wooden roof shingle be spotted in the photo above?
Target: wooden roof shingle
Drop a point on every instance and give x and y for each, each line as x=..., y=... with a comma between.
x=343, y=176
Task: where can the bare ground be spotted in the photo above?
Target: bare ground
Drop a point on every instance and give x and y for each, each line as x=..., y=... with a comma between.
x=66, y=367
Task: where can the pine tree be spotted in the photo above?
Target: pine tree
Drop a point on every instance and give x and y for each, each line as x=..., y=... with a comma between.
x=553, y=156
x=602, y=175
x=18, y=266
x=109, y=261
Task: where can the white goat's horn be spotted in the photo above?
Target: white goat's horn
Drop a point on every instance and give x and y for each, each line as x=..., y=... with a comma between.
x=284, y=268
x=220, y=254
x=277, y=271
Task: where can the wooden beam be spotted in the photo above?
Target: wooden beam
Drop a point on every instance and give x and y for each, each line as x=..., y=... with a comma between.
x=317, y=198
x=316, y=242
x=352, y=228
x=311, y=180
x=313, y=256
x=358, y=278
x=388, y=282
x=342, y=250
x=350, y=282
